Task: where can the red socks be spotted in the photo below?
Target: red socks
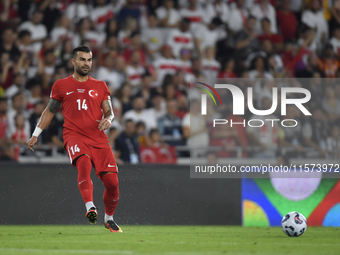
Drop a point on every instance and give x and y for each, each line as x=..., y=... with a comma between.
x=85, y=185
x=111, y=193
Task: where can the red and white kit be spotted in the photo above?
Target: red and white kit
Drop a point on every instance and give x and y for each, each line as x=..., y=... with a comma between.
x=81, y=103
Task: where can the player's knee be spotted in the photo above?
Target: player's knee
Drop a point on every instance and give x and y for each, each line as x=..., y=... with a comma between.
x=110, y=181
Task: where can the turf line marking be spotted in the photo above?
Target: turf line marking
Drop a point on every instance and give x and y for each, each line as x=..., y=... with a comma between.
x=64, y=251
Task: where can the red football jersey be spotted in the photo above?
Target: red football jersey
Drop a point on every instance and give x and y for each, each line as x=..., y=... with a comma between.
x=81, y=102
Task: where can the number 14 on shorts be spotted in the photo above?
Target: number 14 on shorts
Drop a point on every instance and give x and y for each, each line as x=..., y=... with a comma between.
x=75, y=149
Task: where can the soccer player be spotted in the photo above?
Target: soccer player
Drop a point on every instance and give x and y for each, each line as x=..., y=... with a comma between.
x=84, y=101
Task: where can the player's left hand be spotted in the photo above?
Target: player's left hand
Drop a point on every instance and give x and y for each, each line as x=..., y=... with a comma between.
x=103, y=124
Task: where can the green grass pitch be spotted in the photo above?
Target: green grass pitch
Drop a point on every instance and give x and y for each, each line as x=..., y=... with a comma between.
x=168, y=240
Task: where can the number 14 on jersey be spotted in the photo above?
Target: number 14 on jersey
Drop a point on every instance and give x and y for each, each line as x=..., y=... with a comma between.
x=82, y=105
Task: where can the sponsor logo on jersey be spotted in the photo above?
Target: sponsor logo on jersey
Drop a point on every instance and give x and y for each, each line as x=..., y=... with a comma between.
x=81, y=90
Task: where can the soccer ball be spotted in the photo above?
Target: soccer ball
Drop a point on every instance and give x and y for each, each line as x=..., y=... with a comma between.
x=294, y=224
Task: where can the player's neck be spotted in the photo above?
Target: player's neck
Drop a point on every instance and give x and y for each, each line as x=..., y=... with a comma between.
x=80, y=78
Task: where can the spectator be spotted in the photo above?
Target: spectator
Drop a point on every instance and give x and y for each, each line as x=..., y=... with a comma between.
x=47, y=68
x=315, y=133
x=153, y=37
x=51, y=11
x=33, y=121
x=328, y=65
x=146, y=91
x=108, y=74
x=126, y=144
x=246, y=40
x=194, y=14
x=101, y=14
x=130, y=9
x=211, y=158
x=289, y=134
x=111, y=28
x=117, y=5
x=219, y=9
x=180, y=38
x=182, y=106
x=333, y=142
x=208, y=35
x=135, y=71
x=18, y=107
x=139, y=113
x=125, y=98
x=185, y=64
x=335, y=20
x=78, y=10
x=165, y=65
x=238, y=17
x=8, y=45
x=315, y=19
x=135, y=46
x=156, y=139
x=20, y=134
x=6, y=70
x=168, y=15
x=37, y=29
x=3, y=121
x=310, y=69
x=158, y=109
x=229, y=70
x=331, y=104
x=194, y=127
x=124, y=35
x=170, y=126
x=287, y=21
x=210, y=66
x=85, y=33
x=56, y=133
x=8, y=14
x=17, y=86
x=335, y=41
x=264, y=137
x=121, y=70
x=7, y=153
x=275, y=39
x=264, y=10
x=61, y=32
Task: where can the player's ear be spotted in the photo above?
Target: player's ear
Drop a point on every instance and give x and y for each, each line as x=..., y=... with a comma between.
x=73, y=61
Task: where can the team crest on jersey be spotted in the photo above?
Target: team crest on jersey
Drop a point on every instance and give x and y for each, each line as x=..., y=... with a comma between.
x=93, y=93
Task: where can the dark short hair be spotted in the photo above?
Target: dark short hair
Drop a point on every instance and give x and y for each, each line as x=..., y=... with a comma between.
x=23, y=33
x=265, y=19
x=81, y=48
x=152, y=131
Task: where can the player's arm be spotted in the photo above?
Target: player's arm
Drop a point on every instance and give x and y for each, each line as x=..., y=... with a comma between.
x=44, y=121
x=105, y=123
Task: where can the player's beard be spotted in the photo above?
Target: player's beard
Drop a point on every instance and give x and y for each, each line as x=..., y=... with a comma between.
x=81, y=72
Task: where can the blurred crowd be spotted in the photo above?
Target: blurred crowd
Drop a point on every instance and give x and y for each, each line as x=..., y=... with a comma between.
x=147, y=51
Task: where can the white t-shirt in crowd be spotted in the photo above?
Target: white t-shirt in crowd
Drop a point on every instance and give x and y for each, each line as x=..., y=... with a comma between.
x=57, y=32
x=235, y=20
x=209, y=37
x=109, y=76
x=336, y=44
x=134, y=75
x=211, y=69
x=270, y=13
x=179, y=40
x=174, y=16
x=153, y=37
x=318, y=22
x=101, y=15
x=197, y=18
x=163, y=67
x=76, y=12
x=96, y=38
x=221, y=11
x=145, y=116
x=196, y=123
x=38, y=32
